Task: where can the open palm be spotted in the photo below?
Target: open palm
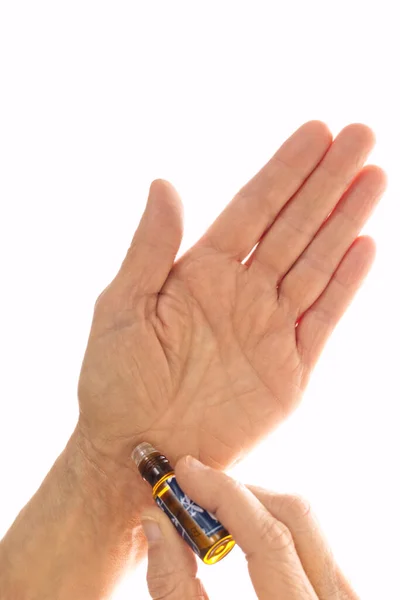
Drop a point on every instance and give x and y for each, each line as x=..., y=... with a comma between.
x=207, y=354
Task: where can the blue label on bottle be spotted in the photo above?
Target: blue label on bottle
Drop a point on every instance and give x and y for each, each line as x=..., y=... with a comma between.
x=205, y=520
x=178, y=526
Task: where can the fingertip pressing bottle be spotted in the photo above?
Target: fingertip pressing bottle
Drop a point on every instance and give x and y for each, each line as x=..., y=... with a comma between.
x=206, y=536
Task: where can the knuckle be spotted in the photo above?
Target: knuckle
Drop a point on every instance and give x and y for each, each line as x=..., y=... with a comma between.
x=162, y=582
x=321, y=264
x=234, y=486
x=99, y=300
x=197, y=591
x=297, y=507
x=166, y=585
x=279, y=536
x=274, y=534
x=102, y=299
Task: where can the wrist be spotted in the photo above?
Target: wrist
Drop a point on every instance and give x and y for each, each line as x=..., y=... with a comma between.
x=79, y=531
x=103, y=476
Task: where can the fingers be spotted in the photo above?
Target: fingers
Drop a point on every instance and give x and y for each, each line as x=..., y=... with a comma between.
x=310, y=543
x=239, y=227
x=156, y=241
x=312, y=272
x=320, y=319
x=300, y=220
x=172, y=566
x=274, y=566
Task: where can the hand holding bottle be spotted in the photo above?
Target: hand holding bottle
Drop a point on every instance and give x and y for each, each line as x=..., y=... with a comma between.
x=288, y=556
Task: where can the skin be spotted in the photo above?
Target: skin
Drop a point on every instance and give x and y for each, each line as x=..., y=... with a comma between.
x=204, y=355
x=287, y=555
x=209, y=340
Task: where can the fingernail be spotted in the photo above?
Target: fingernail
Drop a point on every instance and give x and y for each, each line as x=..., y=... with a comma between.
x=152, y=530
x=194, y=464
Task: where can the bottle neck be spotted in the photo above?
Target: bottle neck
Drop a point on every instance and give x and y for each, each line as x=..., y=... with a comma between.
x=153, y=467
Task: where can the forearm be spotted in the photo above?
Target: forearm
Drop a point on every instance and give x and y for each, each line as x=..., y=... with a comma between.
x=76, y=535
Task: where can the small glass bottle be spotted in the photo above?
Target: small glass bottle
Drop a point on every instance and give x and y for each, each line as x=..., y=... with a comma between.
x=199, y=528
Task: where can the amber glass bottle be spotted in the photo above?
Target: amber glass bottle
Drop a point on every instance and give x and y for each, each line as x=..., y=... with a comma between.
x=200, y=529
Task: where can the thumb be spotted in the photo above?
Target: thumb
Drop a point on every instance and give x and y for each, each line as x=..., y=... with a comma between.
x=171, y=566
x=156, y=240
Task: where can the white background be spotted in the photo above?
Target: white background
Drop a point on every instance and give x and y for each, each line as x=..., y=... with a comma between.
x=99, y=98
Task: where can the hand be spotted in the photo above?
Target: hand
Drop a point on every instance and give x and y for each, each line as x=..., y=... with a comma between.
x=287, y=555
x=207, y=355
